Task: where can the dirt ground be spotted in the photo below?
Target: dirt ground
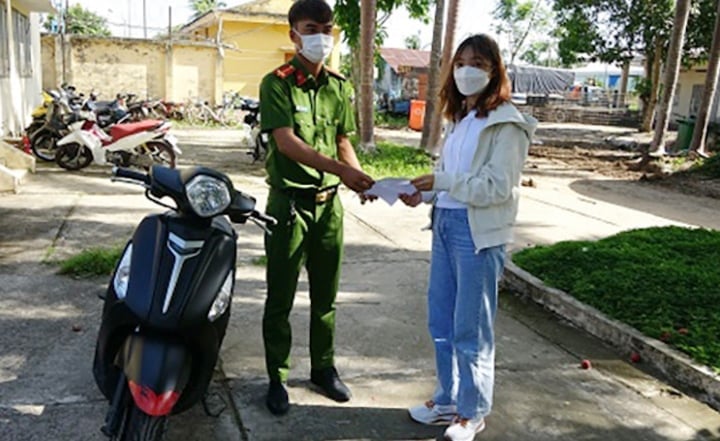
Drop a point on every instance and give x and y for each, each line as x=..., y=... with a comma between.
x=612, y=162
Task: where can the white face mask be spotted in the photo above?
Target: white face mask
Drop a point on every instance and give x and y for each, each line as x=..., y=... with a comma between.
x=470, y=80
x=316, y=47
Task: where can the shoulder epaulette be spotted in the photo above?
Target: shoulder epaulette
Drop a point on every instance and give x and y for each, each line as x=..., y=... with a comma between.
x=284, y=71
x=335, y=73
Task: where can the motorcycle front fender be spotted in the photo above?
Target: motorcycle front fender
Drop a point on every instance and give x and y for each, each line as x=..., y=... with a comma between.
x=157, y=370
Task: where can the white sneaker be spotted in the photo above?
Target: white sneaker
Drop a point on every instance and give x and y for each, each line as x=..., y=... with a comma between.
x=464, y=429
x=433, y=414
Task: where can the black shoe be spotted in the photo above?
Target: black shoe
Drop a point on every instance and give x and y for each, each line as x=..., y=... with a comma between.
x=277, y=398
x=329, y=381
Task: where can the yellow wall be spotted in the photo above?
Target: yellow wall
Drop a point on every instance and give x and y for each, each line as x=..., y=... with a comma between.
x=147, y=68
x=256, y=49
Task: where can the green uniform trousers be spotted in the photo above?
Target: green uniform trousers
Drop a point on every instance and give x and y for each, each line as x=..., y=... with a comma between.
x=307, y=233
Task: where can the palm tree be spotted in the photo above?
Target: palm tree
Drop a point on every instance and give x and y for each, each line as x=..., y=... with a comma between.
x=368, y=11
x=433, y=90
x=201, y=7
x=448, y=44
x=672, y=68
x=697, y=144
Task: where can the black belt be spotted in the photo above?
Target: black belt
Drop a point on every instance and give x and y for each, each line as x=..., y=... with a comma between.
x=319, y=196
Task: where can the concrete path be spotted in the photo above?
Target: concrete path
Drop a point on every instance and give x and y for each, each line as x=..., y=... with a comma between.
x=383, y=350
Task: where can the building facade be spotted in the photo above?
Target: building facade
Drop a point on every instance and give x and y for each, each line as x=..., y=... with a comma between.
x=20, y=68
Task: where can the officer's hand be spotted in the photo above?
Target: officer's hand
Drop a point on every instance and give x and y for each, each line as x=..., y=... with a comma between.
x=356, y=180
x=367, y=197
x=411, y=200
x=424, y=182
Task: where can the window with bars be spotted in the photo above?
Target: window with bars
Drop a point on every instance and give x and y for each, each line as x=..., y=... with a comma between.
x=4, y=39
x=23, y=44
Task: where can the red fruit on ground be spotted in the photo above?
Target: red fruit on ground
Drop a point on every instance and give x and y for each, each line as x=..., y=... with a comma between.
x=665, y=336
x=682, y=331
x=635, y=357
x=585, y=364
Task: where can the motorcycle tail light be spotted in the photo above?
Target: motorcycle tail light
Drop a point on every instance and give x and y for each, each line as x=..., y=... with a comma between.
x=152, y=403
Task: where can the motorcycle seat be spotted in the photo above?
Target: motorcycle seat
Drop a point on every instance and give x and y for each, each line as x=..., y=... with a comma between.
x=122, y=130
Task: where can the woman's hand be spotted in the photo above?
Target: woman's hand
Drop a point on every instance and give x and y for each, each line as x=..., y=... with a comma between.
x=424, y=182
x=411, y=200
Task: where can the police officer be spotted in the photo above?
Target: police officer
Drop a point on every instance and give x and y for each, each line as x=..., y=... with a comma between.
x=306, y=109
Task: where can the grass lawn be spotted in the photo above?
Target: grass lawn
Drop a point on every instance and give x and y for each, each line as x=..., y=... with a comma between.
x=395, y=160
x=663, y=281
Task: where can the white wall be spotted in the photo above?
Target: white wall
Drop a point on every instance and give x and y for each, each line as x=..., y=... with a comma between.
x=19, y=95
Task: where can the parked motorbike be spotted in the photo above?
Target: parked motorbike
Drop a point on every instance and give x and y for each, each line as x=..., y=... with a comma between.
x=167, y=305
x=61, y=111
x=140, y=144
x=252, y=119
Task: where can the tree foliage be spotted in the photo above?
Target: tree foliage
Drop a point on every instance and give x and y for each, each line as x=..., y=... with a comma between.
x=412, y=42
x=80, y=21
x=610, y=31
x=526, y=26
x=347, y=16
x=201, y=7
x=698, y=40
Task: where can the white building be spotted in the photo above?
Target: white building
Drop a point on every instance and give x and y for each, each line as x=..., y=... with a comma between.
x=607, y=76
x=20, y=68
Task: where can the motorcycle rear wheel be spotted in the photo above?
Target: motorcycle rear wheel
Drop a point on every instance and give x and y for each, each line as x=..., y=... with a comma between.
x=161, y=153
x=44, y=145
x=139, y=426
x=73, y=156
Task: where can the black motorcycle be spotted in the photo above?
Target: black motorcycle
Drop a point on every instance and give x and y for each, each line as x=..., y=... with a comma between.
x=167, y=306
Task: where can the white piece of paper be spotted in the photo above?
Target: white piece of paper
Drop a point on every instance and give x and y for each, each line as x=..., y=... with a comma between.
x=390, y=189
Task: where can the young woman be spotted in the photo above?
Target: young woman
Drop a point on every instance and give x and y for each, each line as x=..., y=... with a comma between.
x=474, y=193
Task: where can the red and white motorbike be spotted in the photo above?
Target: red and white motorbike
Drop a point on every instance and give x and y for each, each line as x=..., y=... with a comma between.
x=140, y=144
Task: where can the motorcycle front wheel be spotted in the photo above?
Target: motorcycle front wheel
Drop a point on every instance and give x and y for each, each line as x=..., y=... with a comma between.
x=73, y=156
x=139, y=426
x=44, y=145
x=161, y=153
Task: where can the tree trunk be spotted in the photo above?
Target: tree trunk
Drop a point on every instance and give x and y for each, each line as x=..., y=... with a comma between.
x=623, y=84
x=697, y=144
x=654, y=75
x=356, y=68
x=368, y=10
x=448, y=45
x=672, y=69
x=433, y=90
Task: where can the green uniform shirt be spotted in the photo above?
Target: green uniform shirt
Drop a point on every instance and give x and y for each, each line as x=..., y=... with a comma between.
x=318, y=110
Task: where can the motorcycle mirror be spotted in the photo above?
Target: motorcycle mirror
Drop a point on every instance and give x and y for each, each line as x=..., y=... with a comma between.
x=241, y=207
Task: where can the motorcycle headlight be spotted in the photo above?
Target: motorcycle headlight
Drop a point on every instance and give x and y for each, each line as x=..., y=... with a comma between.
x=222, y=301
x=122, y=274
x=208, y=196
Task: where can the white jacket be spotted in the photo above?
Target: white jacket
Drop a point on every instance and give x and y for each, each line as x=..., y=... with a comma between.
x=491, y=187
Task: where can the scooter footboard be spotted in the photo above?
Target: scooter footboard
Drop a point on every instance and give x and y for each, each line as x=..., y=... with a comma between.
x=157, y=372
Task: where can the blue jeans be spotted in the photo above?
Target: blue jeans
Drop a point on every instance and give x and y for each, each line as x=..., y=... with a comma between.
x=462, y=303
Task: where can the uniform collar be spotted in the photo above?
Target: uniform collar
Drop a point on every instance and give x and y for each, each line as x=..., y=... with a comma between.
x=304, y=77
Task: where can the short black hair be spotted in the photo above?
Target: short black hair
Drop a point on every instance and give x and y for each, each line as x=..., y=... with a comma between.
x=315, y=10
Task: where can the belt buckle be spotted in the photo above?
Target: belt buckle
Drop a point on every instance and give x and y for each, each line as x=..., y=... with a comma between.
x=322, y=196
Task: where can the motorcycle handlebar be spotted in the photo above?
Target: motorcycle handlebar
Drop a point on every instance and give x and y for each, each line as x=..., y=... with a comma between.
x=126, y=173
x=268, y=220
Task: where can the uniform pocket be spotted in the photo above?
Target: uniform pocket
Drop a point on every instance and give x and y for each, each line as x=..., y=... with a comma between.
x=305, y=127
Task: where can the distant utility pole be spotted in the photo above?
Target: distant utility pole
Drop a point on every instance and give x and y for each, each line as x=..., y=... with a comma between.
x=144, y=20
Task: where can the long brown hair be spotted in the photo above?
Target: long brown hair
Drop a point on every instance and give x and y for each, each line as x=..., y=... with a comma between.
x=495, y=93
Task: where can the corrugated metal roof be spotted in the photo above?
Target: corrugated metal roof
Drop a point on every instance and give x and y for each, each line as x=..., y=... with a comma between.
x=412, y=58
